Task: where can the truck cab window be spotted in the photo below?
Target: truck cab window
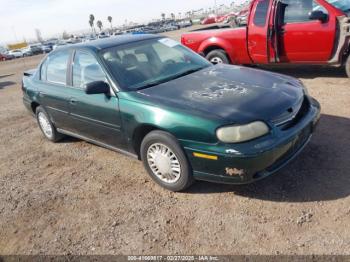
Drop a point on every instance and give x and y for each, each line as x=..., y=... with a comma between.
x=261, y=11
x=298, y=11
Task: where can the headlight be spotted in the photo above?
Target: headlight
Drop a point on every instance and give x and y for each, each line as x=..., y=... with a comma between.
x=238, y=134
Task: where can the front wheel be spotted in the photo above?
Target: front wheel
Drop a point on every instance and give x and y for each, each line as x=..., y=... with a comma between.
x=347, y=66
x=217, y=56
x=166, y=162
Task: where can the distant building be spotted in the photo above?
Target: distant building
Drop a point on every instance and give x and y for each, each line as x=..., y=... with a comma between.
x=17, y=45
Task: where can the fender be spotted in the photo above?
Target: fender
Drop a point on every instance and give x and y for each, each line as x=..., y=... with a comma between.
x=222, y=43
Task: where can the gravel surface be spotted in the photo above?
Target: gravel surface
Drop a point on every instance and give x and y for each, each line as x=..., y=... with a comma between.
x=77, y=198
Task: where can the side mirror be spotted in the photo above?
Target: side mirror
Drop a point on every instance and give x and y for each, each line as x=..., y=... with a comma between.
x=318, y=15
x=97, y=87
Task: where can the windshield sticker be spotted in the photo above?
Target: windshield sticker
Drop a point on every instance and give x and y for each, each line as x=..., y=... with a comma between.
x=168, y=42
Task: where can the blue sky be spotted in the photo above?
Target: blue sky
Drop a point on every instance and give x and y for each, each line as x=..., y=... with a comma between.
x=20, y=18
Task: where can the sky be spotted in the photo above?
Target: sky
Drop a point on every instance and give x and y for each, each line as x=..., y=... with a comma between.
x=20, y=18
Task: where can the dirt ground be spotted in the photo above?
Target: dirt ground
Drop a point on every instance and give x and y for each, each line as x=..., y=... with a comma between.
x=77, y=198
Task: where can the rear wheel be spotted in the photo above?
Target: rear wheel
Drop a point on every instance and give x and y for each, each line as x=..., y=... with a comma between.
x=47, y=126
x=165, y=161
x=217, y=56
x=347, y=66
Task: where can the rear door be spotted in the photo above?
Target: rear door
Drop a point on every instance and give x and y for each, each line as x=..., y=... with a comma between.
x=52, y=87
x=258, y=32
x=302, y=40
x=96, y=116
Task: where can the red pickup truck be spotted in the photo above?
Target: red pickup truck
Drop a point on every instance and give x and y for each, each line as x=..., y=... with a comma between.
x=281, y=32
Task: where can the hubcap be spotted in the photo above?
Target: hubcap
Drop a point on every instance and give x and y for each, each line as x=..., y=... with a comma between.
x=45, y=124
x=216, y=60
x=164, y=163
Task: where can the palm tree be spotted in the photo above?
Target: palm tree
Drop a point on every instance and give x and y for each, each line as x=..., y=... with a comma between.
x=109, y=18
x=99, y=24
x=163, y=16
x=172, y=16
x=91, y=22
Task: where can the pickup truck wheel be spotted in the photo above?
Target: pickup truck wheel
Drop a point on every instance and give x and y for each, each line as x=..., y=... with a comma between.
x=217, y=56
x=347, y=66
x=166, y=162
x=46, y=125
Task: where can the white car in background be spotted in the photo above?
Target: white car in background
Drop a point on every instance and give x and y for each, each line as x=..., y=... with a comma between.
x=26, y=51
x=57, y=45
x=16, y=53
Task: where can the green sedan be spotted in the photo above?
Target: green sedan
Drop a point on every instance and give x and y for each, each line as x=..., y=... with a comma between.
x=155, y=100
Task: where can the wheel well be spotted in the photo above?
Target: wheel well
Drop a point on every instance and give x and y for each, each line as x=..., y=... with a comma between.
x=212, y=48
x=139, y=135
x=34, y=105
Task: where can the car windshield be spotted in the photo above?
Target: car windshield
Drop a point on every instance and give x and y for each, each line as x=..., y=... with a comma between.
x=343, y=5
x=148, y=63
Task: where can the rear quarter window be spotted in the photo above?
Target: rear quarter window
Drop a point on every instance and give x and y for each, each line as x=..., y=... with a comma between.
x=43, y=70
x=56, y=71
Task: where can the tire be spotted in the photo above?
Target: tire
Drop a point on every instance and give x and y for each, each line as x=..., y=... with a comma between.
x=347, y=66
x=46, y=126
x=158, y=148
x=217, y=56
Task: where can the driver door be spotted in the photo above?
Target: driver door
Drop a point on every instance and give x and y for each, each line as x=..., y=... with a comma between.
x=95, y=117
x=302, y=40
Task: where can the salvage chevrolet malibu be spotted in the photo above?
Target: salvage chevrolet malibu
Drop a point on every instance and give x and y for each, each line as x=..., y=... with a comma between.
x=186, y=119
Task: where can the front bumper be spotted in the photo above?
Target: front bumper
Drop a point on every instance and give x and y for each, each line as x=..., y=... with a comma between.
x=255, y=160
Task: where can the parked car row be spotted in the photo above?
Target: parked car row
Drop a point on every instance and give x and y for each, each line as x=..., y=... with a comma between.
x=156, y=27
x=47, y=47
x=5, y=56
x=222, y=19
x=29, y=50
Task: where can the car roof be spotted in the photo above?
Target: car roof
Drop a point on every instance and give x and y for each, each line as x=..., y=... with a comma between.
x=104, y=43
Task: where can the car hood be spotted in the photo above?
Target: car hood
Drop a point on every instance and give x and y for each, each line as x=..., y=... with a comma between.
x=235, y=94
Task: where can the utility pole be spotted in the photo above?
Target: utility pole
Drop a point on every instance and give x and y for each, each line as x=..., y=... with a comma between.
x=14, y=33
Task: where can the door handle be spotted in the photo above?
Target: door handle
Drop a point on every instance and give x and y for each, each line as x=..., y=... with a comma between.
x=73, y=101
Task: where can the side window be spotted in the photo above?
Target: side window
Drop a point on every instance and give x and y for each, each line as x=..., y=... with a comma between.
x=299, y=10
x=43, y=70
x=86, y=69
x=261, y=13
x=56, y=71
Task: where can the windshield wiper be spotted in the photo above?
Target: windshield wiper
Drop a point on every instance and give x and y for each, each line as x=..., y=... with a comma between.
x=167, y=79
x=188, y=72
